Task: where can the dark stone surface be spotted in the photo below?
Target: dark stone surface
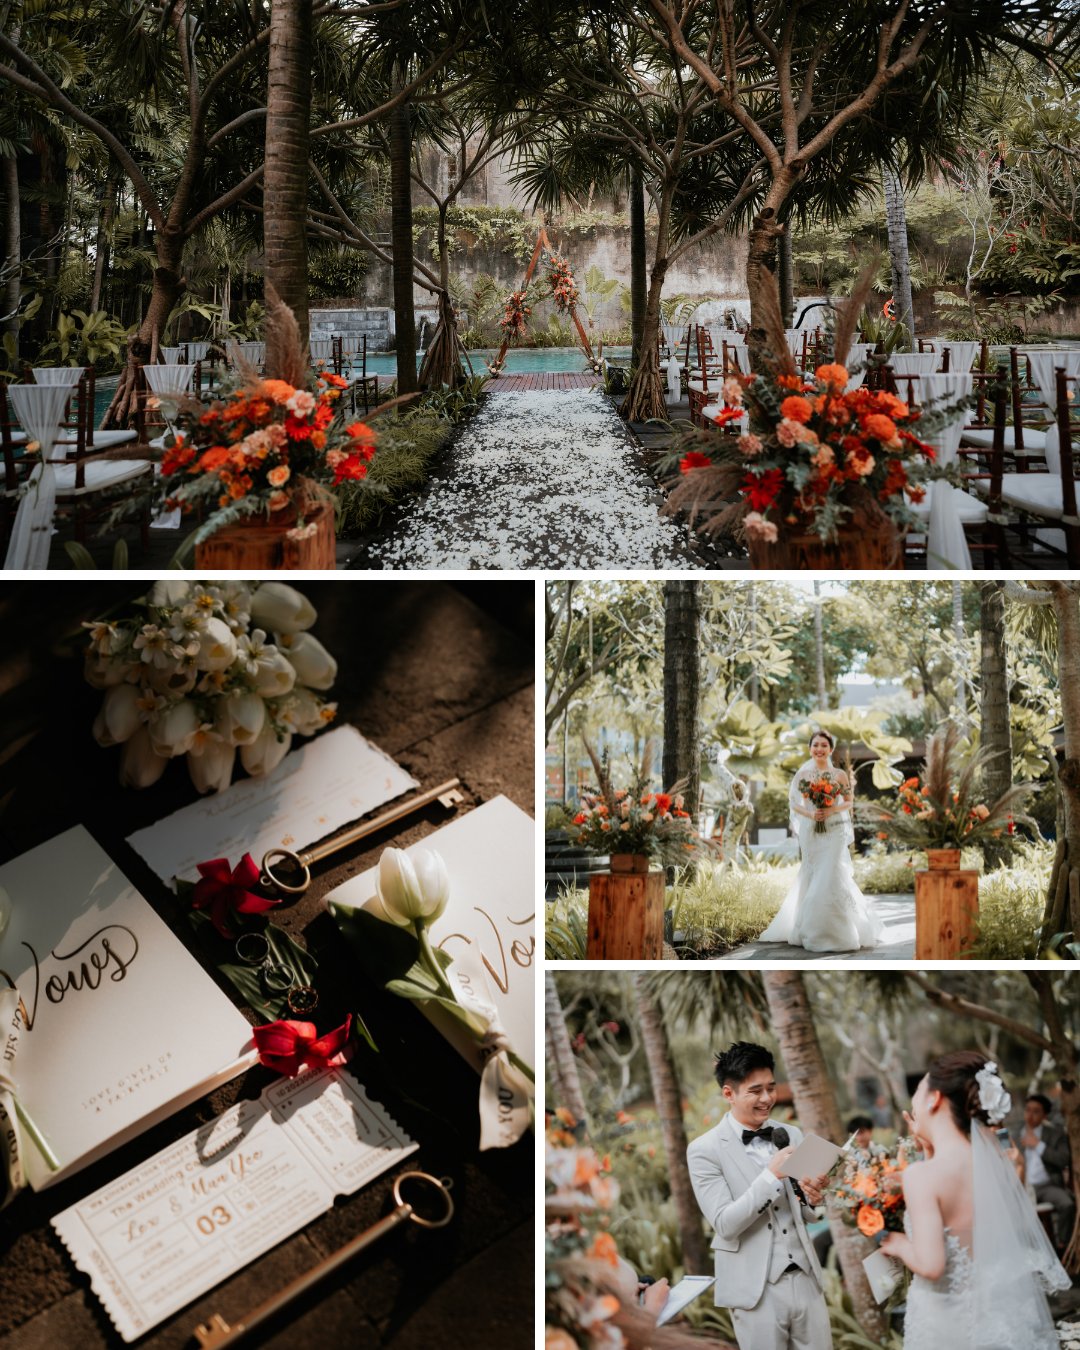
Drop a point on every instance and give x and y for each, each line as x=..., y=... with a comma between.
x=441, y=678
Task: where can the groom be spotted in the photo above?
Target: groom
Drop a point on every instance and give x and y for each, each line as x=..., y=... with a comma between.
x=767, y=1272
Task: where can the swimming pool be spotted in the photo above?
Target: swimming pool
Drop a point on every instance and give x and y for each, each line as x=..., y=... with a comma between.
x=519, y=360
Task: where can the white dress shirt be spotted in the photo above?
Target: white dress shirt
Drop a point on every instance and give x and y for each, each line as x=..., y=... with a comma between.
x=1036, y=1173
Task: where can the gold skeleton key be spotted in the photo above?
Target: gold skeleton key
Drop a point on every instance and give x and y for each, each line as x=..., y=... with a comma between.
x=445, y=794
x=217, y=1332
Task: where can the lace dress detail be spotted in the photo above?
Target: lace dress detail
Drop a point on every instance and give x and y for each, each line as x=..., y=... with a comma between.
x=940, y=1314
x=825, y=911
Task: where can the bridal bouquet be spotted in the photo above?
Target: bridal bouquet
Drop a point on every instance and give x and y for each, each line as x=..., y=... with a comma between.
x=822, y=791
x=210, y=671
x=867, y=1187
x=942, y=807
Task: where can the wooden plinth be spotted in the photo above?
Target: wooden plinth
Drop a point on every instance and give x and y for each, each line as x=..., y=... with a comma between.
x=264, y=545
x=946, y=914
x=626, y=917
x=877, y=549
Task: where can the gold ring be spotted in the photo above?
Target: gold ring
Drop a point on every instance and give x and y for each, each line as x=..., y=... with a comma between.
x=443, y=1188
x=303, y=998
x=294, y=858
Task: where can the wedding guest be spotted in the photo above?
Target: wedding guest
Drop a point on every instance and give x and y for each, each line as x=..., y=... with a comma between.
x=862, y=1127
x=1045, y=1147
x=767, y=1272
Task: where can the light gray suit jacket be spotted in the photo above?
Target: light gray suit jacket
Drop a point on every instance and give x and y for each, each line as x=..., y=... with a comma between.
x=738, y=1199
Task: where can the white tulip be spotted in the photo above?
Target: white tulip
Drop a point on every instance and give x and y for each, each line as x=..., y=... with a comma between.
x=413, y=887
x=166, y=594
x=274, y=673
x=281, y=609
x=104, y=671
x=177, y=678
x=173, y=730
x=304, y=711
x=265, y=752
x=120, y=715
x=210, y=763
x=140, y=765
x=313, y=664
x=239, y=717
x=217, y=646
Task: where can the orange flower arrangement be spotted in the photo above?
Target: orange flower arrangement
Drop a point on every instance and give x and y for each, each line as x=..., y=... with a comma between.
x=822, y=791
x=868, y=1189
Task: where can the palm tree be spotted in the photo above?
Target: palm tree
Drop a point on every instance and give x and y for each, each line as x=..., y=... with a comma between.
x=682, y=687
x=639, y=276
x=401, y=227
x=815, y=1102
x=564, y=1085
x=285, y=177
x=668, y=1098
x=995, y=723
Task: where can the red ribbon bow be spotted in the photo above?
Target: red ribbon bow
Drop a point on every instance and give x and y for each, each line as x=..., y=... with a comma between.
x=287, y=1047
x=224, y=889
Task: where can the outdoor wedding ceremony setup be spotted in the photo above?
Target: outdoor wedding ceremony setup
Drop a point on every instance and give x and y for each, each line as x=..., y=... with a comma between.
x=639, y=284
x=824, y=1160
x=239, y=841
x=761, y=770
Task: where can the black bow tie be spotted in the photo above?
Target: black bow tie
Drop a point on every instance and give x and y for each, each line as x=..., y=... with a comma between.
x=764, y=1133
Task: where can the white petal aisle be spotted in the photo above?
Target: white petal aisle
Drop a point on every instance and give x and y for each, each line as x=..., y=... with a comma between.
x=548, y=479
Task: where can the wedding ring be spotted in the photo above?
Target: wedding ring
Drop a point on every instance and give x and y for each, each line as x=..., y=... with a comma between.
x=252, y=948
x=303, y=998
x=443, y=1189
x=276, y=978
x=269, y=878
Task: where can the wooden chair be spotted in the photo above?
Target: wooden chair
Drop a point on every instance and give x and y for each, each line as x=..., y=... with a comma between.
x=367, y=384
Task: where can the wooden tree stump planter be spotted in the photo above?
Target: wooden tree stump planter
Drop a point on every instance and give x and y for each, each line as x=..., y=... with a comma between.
x=264, y=545
x=879, y=549
x=626, y=912
x=946, y=908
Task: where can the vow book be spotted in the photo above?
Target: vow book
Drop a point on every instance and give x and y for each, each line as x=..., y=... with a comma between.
x=118, y=1025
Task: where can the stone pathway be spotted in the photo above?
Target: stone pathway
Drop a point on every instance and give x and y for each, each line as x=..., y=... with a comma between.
x=536, y=480
x=897, y=913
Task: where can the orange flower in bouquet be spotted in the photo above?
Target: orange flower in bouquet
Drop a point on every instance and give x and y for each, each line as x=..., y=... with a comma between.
x=867, y=1187
x=822, y=791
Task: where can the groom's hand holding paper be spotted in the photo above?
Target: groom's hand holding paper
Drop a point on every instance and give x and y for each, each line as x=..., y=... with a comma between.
x=809, y=1163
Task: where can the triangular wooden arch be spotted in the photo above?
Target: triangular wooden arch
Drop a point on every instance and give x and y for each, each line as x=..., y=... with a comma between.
x=543, y=245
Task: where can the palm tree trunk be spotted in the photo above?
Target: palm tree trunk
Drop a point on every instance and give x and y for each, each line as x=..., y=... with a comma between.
x=995, y=729
x=896, y=224
x=960, y=638
x=639, y=278
x=167, y=287
x=12, y=227
x=564, y=1085
x=285, y=178
x=106, y=215
x=668, y=1098
x=786, y=269
x=402, y=242
x=442, y=361
x=1067, y=609
x=815, y=1102
x=682, y=687
x=819, y=647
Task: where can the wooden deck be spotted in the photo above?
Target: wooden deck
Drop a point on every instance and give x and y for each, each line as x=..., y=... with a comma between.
x=541, y=379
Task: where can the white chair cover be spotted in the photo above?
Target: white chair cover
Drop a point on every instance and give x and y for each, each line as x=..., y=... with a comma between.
x=914, y=363
x=170, y=355
x=173, y=379
x=68, y=376
x=857, y=357
x=674, y=380
x=961, y=355
x=197, y=351
x=322, y=348
x=1043, y=367
x=946, y=545
x=255, y=352
x=39, y=408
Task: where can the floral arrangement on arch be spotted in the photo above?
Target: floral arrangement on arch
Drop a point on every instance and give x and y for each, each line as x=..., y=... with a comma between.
x=867, y=1187
x=515, y=320
x=816, y=455
x=634, y=819
x=942, y=807
x=213, y=671
x=564, y=290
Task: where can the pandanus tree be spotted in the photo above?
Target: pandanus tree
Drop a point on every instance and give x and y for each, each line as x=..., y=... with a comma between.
x=796, y=81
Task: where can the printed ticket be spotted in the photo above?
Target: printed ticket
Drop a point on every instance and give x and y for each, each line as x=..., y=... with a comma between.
x=163, y=1234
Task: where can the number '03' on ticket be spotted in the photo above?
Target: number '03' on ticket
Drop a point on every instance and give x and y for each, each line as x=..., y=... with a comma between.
x=165, y=1233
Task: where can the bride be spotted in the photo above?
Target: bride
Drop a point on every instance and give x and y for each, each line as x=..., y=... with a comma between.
x=981, y=1262
x=824, y=911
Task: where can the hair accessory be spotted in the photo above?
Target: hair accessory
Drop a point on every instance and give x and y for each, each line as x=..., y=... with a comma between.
x=993, y=1098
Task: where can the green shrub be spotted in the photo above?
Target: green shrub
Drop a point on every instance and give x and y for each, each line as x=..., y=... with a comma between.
x=564, y=931
x=721, y=905
x=556, y=817
x=408, y=446
x=772, y=808
x=1011, y=900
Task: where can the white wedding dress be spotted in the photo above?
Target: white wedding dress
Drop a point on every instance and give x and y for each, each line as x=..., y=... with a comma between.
x=992, y=1293
x=824, y=911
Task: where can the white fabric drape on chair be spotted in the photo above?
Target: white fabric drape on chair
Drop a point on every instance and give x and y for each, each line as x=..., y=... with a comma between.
x=1043, y=367
x=39, y=408
x=914, y=363
x=946, y=546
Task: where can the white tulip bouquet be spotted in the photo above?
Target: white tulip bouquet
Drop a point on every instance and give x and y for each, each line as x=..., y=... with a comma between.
x=209, y=670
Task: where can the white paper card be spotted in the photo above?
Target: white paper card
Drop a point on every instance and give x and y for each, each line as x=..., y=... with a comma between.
x=489, y=924
x=163, y=1234
x=813, y=1157
x=328, y=782
x=121, y=1025
x=882, y=1274
x=689, y=1288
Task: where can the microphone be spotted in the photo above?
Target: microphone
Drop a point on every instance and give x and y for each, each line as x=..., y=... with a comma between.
x=781, y=1138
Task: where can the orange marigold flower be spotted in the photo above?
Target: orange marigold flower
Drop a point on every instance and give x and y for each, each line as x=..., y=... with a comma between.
x=789, y=381
x=318, y=439
x=834, y=375
x=280, y=391
x=213, y=458
x=797, y=408
x=879, y=426
x=338, y=381
x=604, y=1249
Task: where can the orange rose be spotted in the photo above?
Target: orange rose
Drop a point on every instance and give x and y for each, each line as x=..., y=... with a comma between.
x=835, y=375
x=797, y=408
x=869, y=1221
